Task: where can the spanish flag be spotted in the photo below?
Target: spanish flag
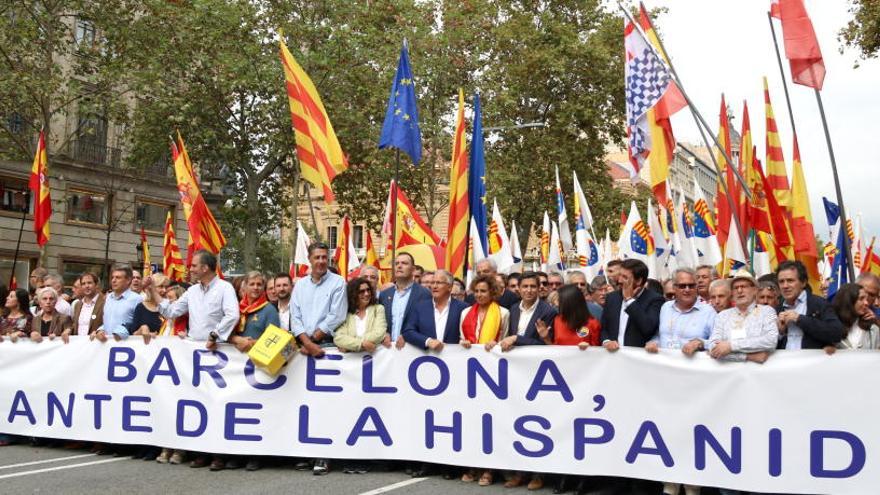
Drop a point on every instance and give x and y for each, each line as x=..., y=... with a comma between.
x=318, y=150
x=204, y=233
x=39, y=186
x=172, y=262
x=802, y=222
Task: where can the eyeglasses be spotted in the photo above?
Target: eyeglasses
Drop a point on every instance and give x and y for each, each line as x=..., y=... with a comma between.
x=544, y=283
x=686, y=286
x=581, y=285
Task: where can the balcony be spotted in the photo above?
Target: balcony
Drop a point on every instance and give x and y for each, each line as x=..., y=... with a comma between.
x=92, y=153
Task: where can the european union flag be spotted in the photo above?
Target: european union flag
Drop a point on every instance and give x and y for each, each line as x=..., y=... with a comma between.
x=840, y=265
x=401, y=127
x=477, y=179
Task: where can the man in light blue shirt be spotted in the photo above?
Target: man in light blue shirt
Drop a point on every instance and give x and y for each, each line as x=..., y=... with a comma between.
x=119, y=305
x=318, y=304
x=685, y=323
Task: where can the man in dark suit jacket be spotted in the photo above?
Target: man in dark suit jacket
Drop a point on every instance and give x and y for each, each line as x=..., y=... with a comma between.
x=634, y=303
x=805, y=321
x=421, y=327
x=403, y=300
x=534, y=308
x=94, y=299
x=487, y=266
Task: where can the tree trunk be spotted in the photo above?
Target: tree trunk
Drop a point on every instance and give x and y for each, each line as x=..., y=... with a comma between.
x=251, y=230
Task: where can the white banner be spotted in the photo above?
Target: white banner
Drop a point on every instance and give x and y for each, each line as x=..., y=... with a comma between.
x=802, y=422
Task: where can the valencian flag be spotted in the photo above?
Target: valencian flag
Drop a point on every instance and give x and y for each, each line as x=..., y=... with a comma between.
x=801, y=46
x=477, y=185
x=685, y=247
x=39, y=186
x=204, y=232
x=318, y=150
x=459, y=213
x=172, y=262
x=839, y=267
x=705, y=235
x=401, y=127
x=585, y=245
x=145, y=248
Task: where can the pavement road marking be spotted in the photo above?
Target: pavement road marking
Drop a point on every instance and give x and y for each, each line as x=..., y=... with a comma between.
x=58, y=468
x=44, y=461
x=387, y=488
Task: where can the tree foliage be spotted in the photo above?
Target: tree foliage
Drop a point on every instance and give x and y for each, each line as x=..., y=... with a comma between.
x=863, y=30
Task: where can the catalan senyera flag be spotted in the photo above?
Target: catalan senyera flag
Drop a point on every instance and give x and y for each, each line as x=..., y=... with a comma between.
x=39, y=186
x=172, y=262
x=204, y=232
x=659, y=125
x=459, y=213
x=774, y=159
x=320, y=156
x=145, y=246
x=746, y=159
x=722, y=206
x=802, y=222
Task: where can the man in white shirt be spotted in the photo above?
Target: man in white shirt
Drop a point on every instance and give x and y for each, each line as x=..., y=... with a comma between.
x=747, y=331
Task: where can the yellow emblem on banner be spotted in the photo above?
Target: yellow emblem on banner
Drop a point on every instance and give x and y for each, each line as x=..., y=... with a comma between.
x=272, y=350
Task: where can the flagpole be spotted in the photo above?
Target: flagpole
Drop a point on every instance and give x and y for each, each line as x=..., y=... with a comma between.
x=701, y=123
x=846, y=243
x=393, y=211
x=18, y=244
x=312, y=212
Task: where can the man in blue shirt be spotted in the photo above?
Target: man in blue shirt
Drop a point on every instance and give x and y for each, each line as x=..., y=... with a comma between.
x=685, y=323
x=318, y=304
x=119, y=305
x=402, y=300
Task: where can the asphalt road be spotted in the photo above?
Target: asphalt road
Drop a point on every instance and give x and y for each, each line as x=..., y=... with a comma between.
x=54, y=470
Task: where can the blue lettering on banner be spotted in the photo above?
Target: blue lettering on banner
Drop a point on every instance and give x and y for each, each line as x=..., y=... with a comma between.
x=817, y=454
x=487, y=434
x=581, y=440
x=454, y=430
x=303, y=433
x=367, y=379
x=54, y=404
x=638, y=445
x=775, y=446
x=312, y=372
x=169, y=371
x=115, y=362
x=21, y=407
x=213, y=370
x=498, y=388
x=182, y=406
x=232, y=419
x=250, y=375
x=128, y=413
x=379, y=430
x=519, y=426
x=99, y=400
x=731, y=461
x=549, y=367
x=413, y=375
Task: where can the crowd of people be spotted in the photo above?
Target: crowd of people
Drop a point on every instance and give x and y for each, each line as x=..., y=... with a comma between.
x=739, y=318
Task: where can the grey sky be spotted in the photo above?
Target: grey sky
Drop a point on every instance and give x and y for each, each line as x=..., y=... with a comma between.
x=727, y=47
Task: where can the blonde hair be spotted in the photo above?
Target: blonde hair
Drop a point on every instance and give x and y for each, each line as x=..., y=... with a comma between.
x=158, y=279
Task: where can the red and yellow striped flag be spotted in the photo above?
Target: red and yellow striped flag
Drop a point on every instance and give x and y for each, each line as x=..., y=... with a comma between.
x=145, y=248
x=722, y=206
x=204, y=232
x=802, y=222
x=318, y=150
x=172, y=262
x=39, y=186
x=775, y=160
x=459, y=212
x=745, y=168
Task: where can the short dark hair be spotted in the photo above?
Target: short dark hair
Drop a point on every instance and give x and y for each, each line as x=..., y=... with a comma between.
x=638, y=268
x=283, y=275
x=795, y=265
x=352, y=289
x=122, y=267
x=207, y=258
x=91, y=275
x=411, y=259
x=769, y=277
x=317, y=245
x=572, y=307
x=420, y=268
x=514, y=276
x=655, y=285
x=614, y=263
x=528, y=275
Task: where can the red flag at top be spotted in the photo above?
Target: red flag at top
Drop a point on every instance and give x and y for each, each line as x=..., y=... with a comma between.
x=801, y=46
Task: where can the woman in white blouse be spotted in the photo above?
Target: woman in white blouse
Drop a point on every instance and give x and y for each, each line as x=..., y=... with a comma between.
x=365, y=326
x=851, y=305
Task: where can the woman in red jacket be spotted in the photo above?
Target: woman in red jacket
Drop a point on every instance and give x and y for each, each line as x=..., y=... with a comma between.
x=574, y=325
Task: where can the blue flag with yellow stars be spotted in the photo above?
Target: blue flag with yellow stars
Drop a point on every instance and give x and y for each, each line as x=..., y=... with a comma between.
x=477, y=180
x=401, y=127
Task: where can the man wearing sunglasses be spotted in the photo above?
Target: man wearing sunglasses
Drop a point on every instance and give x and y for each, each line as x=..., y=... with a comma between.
x=685, y=323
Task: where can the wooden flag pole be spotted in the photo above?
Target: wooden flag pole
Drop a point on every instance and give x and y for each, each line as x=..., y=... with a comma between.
x=846, y=243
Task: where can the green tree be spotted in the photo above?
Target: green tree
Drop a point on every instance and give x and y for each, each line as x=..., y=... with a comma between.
x=862, y=32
